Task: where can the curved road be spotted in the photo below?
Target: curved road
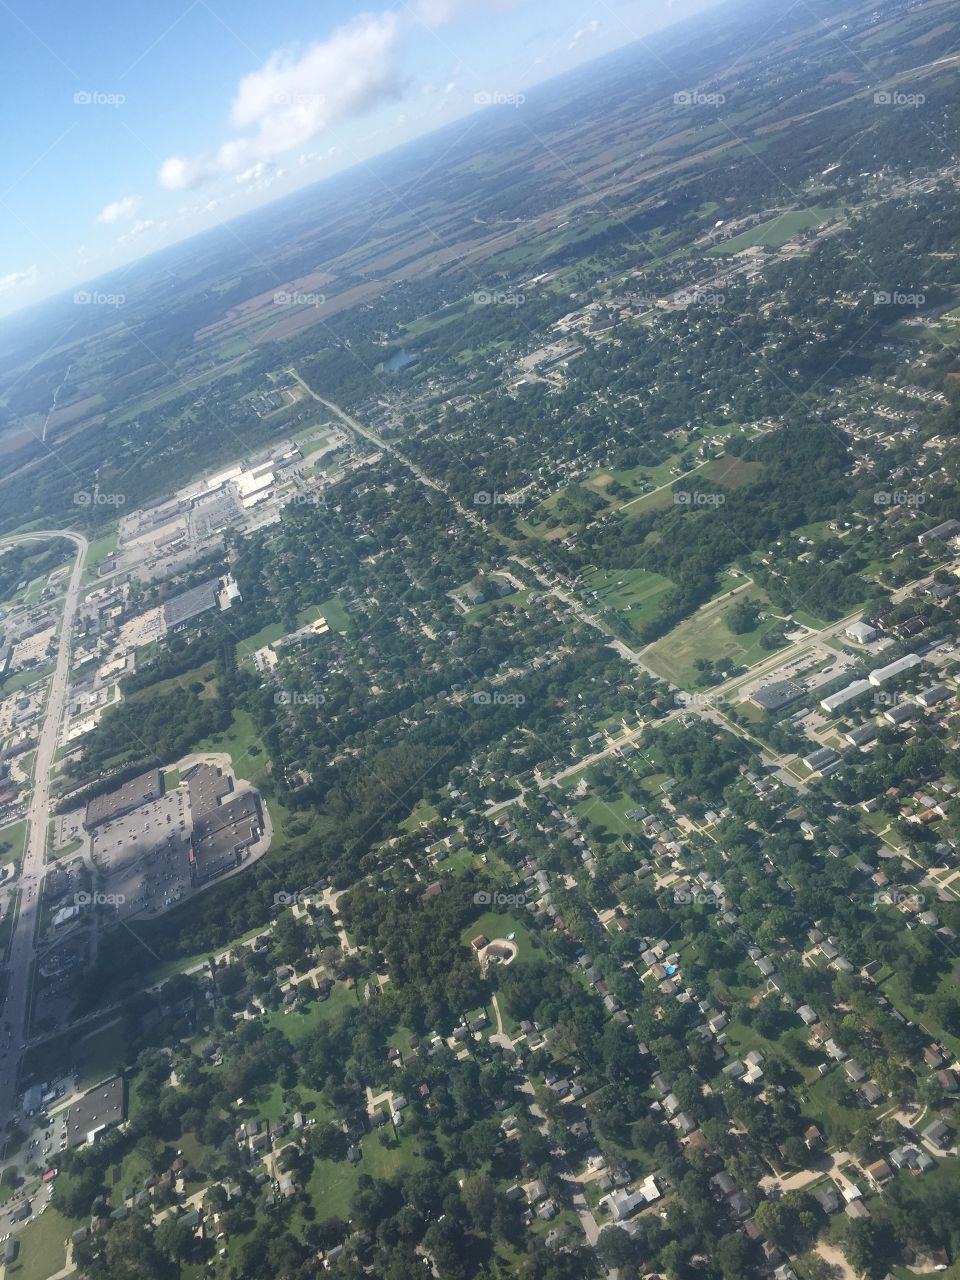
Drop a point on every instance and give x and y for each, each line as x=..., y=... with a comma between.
x=19, y=965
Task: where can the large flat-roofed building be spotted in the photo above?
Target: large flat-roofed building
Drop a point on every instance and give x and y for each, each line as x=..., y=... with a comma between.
x=222, y=834
x=941, y=532
x=100, y=1109
x=115, y=804
x=208, y=786
x=771, y=697
x=861, y=632
x=181, y=609
x=893, y=669
x=840, y=699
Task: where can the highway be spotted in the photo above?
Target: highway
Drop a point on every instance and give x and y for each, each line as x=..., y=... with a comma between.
x=19, y=966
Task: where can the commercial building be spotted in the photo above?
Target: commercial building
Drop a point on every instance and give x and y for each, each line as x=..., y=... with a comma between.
x=861, y=632
x=893, y=669
x=771, y=697
x=96, y=1112
x=181, y=609
x=941, y=532
x=843, y=696
x=116, y=804
x=221, y=835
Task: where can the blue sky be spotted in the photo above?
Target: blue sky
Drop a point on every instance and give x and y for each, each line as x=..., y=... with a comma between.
x=130, y=124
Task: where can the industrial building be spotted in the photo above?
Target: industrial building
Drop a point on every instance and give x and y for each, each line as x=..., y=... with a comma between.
x=893, y=669
x=96, y=1112
x=941, y=532
x=221, y=834
x=861, y=632
x=181, y=609
x=771, y=697
x=143, y=789
x=840, y=699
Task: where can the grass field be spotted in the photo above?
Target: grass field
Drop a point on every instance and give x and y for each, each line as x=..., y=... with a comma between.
x=12, y=841
x=706, y=635
x=633, y=592
x=331, y=609
x=778, y=231
x=496, y=924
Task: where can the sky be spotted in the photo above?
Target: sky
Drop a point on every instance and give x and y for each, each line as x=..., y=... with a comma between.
x=132, y=124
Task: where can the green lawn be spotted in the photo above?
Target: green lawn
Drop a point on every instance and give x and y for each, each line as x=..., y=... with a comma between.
x=497, y=925
x=331, y=609
x=706, y=635
x=633, y=592
x=237, y=742
x=12, y=841
x=777, y=231
x=43, y=1249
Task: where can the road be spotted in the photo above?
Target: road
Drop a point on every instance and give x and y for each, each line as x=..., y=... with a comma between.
x=22, y=943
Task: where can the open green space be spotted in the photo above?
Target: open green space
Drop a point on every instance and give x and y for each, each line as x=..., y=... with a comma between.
x=777, y=231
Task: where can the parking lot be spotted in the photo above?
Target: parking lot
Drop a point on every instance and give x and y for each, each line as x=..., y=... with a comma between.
x=144, y=855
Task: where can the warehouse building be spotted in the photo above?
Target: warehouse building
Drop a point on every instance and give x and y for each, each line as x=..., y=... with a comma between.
x=116, y=804
x=893, y=669
x=843, y=696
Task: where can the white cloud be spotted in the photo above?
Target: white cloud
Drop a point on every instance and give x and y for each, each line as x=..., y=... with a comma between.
x=140, y=228
x=119, y=210
x=15, y=280
x=291, y=99
x=590, y=29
